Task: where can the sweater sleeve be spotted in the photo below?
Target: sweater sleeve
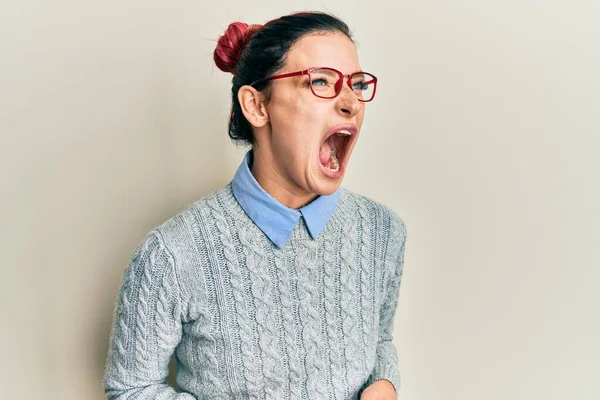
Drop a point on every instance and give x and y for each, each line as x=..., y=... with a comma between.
x=146, y=326
x=386, y=361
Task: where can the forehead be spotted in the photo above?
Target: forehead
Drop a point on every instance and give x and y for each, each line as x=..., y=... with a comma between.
x=327, y=49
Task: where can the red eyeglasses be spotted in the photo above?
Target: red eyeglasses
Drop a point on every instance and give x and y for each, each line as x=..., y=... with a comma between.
x=327, y=83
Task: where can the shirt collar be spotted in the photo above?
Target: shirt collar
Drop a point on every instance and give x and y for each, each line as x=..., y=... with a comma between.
x=273, y=218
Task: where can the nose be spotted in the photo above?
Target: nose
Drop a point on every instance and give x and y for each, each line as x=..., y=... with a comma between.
x=347, y=102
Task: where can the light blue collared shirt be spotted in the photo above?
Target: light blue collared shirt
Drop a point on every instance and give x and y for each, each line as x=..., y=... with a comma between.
x=273, y=218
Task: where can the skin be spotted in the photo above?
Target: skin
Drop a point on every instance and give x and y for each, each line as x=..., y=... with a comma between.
x=290, y=127
x=379, y=390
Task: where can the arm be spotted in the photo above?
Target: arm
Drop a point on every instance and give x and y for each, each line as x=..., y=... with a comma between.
x=146, y=326
x=384, y=381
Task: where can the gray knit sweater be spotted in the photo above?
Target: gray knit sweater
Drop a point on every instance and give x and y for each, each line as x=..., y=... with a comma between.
x=312, y=320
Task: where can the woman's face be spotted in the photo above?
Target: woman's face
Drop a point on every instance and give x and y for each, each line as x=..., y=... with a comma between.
x=300, y=122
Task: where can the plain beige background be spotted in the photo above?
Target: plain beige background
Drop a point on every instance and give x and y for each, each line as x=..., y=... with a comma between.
x=484, y=137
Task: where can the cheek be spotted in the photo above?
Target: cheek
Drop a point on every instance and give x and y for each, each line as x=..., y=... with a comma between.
x=286, y=114
x=302, y=124
x=361, y=115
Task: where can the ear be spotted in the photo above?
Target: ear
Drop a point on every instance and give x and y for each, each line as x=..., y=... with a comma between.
x=253, y=106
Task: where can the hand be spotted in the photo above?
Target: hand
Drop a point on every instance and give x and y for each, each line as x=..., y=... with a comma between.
x=379, y=390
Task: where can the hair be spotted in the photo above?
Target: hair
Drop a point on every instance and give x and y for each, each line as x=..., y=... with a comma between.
x=253, y=53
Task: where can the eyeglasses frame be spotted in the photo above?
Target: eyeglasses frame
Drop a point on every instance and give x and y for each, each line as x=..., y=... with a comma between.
x=338, y=85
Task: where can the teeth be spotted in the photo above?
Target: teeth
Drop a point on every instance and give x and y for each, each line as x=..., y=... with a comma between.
x=343, y=132
x=333, y=156
x=336, y=163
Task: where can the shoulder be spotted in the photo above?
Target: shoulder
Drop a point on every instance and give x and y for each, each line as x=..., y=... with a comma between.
x=182, y=229
x=378, y=213
x=178, y=242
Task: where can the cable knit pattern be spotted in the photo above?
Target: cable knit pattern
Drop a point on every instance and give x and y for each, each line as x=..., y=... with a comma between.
x=248, y=320
x=331, y=294
x=310, y=318
x=222, y=293
x=167, y=323
x=250, y=362
x=125, y=333
x=349, y=300
x=366, y=288
x=271, y=359
x=287, y=312
x=141, y=357
x=203, y=326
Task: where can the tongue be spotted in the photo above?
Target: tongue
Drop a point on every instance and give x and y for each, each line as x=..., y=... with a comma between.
x=325, y=153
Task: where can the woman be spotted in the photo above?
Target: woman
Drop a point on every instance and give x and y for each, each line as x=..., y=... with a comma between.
x=282, y=284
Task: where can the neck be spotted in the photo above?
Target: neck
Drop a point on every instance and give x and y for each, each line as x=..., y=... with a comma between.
x=273, y=181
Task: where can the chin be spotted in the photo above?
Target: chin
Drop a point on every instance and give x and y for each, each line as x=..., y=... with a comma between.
x=326, y=186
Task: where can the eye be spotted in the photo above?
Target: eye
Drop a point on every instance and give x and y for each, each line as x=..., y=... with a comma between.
x=361, y=85
x=320, y=82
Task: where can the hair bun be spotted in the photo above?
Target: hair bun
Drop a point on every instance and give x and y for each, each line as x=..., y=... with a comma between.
x=231, y=44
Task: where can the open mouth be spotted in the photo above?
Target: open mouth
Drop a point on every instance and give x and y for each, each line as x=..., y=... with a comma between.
x=334, y=150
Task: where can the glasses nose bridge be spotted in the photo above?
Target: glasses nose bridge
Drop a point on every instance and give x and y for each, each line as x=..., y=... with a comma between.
x=344, y=79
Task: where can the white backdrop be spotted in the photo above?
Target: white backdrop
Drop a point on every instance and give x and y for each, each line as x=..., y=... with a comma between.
x=484, y=138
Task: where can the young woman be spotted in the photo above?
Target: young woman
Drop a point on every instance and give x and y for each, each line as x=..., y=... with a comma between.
x=282, y=284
